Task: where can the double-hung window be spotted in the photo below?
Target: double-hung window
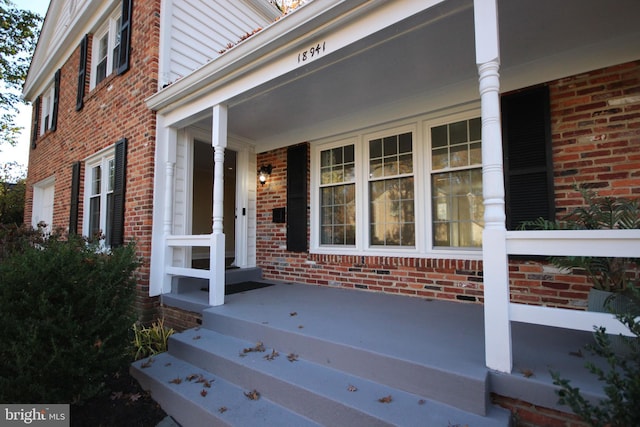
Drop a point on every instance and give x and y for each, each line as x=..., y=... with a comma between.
x=100, y=174
x=48, y=98
x=392, y=219
x=106, y=49
x=456, y=184
x=338, y=196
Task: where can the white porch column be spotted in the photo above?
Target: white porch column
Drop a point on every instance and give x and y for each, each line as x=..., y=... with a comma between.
x=161, y=254
x=219, y=142
x=496, y=269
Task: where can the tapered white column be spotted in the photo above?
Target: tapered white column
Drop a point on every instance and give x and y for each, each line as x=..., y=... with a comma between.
x=494, y=254
x=219, y=142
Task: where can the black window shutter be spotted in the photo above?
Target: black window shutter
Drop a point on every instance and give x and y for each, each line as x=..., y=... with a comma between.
x=56, y=100
x=75, y=198
x=125, y=36
x=297, y=198
x=82, y=72
x=36, y=122
x=116, y=235
x=528, y=163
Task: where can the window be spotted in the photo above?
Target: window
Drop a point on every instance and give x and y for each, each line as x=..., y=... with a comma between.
x=391, y=191
x=408, y=190
x=111, y=45
x=456, y=184
x=104, y=193
x=49, y=105
x=338, y=196
x=42, y=212
x=100, y=179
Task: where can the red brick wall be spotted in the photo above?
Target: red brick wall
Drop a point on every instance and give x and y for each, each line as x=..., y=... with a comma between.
x=596, y=143
x=112, y=110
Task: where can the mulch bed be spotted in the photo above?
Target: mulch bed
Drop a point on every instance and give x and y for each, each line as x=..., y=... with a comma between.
x=124, y=404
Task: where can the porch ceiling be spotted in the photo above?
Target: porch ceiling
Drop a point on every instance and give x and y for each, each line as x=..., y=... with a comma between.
x=428, y=53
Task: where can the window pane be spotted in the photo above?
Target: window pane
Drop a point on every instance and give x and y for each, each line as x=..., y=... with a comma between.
x=348, y=155
x=457, y=207
x=440, y=158
x=337, y=221
x=459, y=156
x=391, y=212
x=94, y=216
x=390, y=145
x=107, y=230
x=439, y=136
x=458, y=132
x=375, y=148
x=96, y=176
x=112, y=174
x=475, y=129
x=475, y=154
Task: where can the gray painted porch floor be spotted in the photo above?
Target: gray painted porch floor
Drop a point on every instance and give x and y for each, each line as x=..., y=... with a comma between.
x=445, y=335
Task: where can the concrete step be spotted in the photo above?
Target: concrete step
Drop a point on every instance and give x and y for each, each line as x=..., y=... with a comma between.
x=465, y=390
x=192, y=403
x=318, y=392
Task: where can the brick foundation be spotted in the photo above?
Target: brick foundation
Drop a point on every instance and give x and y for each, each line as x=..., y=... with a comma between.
x=527, y=415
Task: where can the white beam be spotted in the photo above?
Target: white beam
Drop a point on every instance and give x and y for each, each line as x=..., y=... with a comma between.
x=216, y=254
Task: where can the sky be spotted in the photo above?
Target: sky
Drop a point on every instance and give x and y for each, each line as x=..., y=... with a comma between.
x=20, y=153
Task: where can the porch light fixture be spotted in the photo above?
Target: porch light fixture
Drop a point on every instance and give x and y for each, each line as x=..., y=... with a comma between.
x=264, y=172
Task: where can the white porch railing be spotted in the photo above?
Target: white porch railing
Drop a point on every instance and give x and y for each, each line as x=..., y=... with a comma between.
x=603, y=243
x=215, y=273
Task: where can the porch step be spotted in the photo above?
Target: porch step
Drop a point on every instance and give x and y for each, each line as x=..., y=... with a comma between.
x=289, y=387
x=181, y=284
x=223, y=404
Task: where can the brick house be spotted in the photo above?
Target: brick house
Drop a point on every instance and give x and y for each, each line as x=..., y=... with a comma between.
x=385, y=165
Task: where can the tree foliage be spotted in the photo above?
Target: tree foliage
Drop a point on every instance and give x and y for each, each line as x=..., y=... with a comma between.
x=19, y=31
x=12, y=193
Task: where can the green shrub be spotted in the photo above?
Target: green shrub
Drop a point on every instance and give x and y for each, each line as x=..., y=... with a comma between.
x=150, y=340
x=620, y=378
x=66, y=307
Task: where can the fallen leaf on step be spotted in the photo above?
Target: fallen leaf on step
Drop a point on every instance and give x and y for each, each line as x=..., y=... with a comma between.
x=197, y=337
x=134, y=397
x=386, y=399
x=527, y=373
x=222, y=409
x=576, y=353
x=293, y=313
x=352, y=388
x=203, y=393
x=167, y=364
x=252, y=395
x=300, y=327
x=421, y=402
x=259, y=347
x=292, y=357
x=147, y=363
x=272, y=356
x=192, y=377
x=116, y=395
x=176, y=381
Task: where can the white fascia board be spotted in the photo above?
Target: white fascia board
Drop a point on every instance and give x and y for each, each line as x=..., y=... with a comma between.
x=272, y=52
x=49, y=57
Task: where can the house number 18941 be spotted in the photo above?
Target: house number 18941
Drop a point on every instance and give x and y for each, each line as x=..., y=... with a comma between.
x=312, y=52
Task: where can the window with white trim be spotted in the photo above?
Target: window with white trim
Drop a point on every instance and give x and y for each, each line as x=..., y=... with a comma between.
x=47, y=107
x=99, y=185
x=456, y=184
x=411, y=189
x=338, y=196
x=391, y=191
x=43, y=197
x=106, y=49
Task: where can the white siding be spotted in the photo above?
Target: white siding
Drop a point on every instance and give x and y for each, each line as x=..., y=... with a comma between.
x=180, y=199
x=200, y=29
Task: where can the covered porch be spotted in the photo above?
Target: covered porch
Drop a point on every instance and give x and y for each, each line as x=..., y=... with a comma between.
x=422, y=353
x=335, y=67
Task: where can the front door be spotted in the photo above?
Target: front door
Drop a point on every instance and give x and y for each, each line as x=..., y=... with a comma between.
x=202, y=201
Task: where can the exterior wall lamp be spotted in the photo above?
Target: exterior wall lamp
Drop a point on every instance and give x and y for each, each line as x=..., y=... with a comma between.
x=264, y=172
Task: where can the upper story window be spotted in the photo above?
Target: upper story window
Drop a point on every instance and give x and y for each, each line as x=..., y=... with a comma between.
x=47, y=109
x=106, y=48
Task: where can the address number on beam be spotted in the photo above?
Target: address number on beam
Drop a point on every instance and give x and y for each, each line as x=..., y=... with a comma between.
x=312, y=52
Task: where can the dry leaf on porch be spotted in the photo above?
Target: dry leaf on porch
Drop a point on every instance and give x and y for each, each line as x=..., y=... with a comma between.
x=527, y=373
x=300, y=327
x=197, y=337
x=222, y=409
x=203, y=393
x=116, y=395
x=252, y=395
x=352, y=388
x=293, y=313
x=147, y=363
x=192, y=377
x=421, y=402
x=134, y=397
x=292, y=357
x=176, y=381
x=259, y=347
x=386, y=399
x=272, y=356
